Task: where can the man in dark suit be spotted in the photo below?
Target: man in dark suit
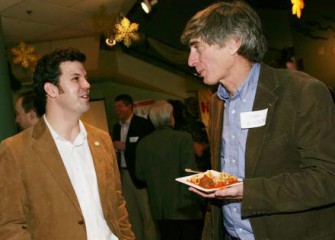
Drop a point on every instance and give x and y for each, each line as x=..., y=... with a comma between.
x=127, y=132
x=272, y=127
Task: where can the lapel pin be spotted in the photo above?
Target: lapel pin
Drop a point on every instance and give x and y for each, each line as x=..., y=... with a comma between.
x=96, y=143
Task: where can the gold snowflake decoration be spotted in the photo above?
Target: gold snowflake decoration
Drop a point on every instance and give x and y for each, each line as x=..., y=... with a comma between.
x=24, y=55
x=126, y=32
x=297, y=6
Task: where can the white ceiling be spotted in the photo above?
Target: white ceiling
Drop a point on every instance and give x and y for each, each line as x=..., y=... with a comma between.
x=42, y=20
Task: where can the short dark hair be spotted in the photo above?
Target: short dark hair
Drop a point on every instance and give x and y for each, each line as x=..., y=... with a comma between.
x=29, y=102
x=179, y=112
x=286, y=55
x=48, y=70
x=126, y=98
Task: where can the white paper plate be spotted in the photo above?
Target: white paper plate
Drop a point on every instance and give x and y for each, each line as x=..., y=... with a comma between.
x=184, y=180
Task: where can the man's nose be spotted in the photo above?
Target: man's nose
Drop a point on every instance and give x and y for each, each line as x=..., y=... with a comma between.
x=191, y=60
x=86, y=84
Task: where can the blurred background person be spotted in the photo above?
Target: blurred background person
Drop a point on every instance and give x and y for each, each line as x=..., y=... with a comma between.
x=161, y=157
x=199, y=134
x=188, y=121
x=127, y=133
x=287, y=59
x=26, y=110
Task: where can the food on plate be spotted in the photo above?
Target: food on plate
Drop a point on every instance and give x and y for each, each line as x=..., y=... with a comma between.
x=212, y=179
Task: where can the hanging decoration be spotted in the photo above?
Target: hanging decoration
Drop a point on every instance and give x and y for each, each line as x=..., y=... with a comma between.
x=126, y=32
x=297, y=6
x=24, y=55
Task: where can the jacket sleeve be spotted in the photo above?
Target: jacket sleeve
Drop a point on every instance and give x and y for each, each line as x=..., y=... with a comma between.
x=13, y=222
x=116, y=132
x=115, y=192
x=309, y=145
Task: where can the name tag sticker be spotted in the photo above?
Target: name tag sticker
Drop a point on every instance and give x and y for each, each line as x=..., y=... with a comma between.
x=133, y=139
x=253, y=119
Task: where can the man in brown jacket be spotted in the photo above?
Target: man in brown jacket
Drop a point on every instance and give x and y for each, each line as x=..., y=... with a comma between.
x=59, y=179
x=272, y=127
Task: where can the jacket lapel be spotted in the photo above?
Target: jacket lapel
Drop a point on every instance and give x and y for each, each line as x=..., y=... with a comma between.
x=264, y=99
x=215, y=134
x=47, y=151
x=132, y=127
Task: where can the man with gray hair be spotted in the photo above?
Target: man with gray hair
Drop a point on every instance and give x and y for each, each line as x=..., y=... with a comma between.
x=274, y=128
x=161, y=157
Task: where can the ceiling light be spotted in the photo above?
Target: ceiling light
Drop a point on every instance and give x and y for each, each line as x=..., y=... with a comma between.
x=147, y=5
x=110, y=41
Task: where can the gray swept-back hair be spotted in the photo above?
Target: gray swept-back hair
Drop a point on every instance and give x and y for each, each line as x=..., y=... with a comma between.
x=160, y=114
x=224, y=20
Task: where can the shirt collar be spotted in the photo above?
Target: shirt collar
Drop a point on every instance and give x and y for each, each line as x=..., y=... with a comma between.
x=127, y=122
x=249, y=83
x=80, y=138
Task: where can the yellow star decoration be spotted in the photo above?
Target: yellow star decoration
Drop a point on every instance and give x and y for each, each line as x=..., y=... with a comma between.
x=297, y=6
x=24, y=55
x=126, y=32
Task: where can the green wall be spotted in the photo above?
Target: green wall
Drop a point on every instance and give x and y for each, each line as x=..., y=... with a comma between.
x=7, y=118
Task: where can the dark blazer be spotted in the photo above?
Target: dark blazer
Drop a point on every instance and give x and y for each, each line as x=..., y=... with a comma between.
x=138, y=128
x=163, y=156
x=37, y=198
x=289, y=189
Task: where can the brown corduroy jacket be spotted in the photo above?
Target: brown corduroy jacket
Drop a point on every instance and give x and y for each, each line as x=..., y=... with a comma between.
x=289, y=189
x=37, y=198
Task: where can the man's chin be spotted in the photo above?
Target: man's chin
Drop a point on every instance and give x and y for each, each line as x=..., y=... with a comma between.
x=208, y=82
x=85, y=109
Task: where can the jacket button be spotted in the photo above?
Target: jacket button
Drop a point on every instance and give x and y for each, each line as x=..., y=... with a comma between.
x=81, y=222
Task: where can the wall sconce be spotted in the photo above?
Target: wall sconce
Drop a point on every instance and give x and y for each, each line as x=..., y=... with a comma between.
x=147, y=5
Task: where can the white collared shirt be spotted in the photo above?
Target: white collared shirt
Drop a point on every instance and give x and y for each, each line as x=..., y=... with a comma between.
x=123, y=138
x=79, y=165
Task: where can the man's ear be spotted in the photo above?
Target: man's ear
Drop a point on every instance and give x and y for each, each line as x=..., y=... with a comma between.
x=50, y=89
x=32, y=115
x=234, y=45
